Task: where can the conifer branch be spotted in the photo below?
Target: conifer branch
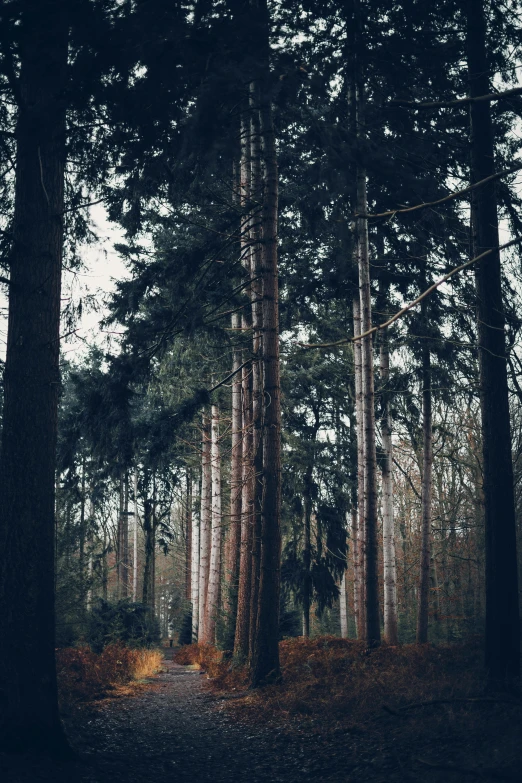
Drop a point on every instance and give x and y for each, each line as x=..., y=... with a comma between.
x=456, y=194
x=493, y=96
x=415, y=302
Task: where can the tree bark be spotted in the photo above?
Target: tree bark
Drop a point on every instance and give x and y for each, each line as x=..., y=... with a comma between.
x=502, y=641
x=265, y=658
x=372, y=614
x=215, y=551
x=343, y=608
x=358, y=543
x=31, y=386
x=205, y=525
x=194, y=597
x=307, y=550
x=388, y=530
x=135, y=541
x=426, y=501
x=234, y=529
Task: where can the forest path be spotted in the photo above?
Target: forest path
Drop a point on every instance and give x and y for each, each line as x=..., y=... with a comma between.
x=175, y=729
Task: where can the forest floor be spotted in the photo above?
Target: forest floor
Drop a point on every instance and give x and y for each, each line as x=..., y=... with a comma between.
x=174, y=728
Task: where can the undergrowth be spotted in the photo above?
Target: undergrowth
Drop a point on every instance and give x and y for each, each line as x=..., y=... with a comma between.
x=333, y=682
x=84, y=675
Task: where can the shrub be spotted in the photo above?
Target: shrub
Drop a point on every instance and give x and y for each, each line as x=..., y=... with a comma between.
x=123, y=622
x=85, y=675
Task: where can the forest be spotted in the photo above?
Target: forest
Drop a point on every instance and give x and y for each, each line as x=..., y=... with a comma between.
x=287, y=459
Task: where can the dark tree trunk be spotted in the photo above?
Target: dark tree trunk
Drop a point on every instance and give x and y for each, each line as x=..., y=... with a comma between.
x=32, y=380
x=502, y=646
x=265, y=658
x=307, y=552
x=426, y=499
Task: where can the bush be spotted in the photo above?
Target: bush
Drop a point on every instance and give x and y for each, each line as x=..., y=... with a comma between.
x=122, y=622
x=85, y=675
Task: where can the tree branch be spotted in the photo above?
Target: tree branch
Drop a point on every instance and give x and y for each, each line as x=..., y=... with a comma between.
x=493, y=96
x=416, y=301
x=456, y=194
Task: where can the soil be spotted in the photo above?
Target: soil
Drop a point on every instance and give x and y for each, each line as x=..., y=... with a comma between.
x=175, y=729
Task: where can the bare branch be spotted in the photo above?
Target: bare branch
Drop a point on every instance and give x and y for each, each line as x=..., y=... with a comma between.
x=494, y=96
x=456, y=194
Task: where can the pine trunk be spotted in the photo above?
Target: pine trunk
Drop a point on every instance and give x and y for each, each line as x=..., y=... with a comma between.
x=205, y=525
x=194, y=596
x=135, y=541
x=31, y=386
x=358, y=555
x=242, y=635
x=265, y=654
x=502, y=644
x=307, y=552
x=426, y=501
x=388, y=531
x=215, y=550
x=343, y=608
x=371, y=583
x=234, y=529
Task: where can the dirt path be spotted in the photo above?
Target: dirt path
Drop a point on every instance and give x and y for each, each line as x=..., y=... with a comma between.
x=176, y=730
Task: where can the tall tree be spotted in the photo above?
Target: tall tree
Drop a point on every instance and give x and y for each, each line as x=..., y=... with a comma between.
x=502, y=607
x=265, y=654
x=31, y=383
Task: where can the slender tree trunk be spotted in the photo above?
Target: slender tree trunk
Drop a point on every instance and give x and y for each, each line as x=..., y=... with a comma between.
x=265, y=657
x=234, y=530
x=307, y=552
x=426, y=501
x=31, y=386
x=502, y=647
x=90, y=545
x=194, y=597
x=388, y=530
x=244, y=617
x=215, y=553
x=189, y=533
x=205, y=525
x=256, y=296
x=343, y=608
x=355, y=570
x=125, y=537
x=359, y=559
x=372, y=616
x=148, y=569
x=135, y=541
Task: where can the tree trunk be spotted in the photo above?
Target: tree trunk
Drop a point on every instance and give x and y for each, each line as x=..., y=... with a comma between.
x=234, y=529
x=388, y=530
x=243, y=618
x=372, y=614
x=265, y=657
x=358, y=543
x=194, y=596
x=188, y=529
x=135, y=541
x=215, y=552
x=307, y=552
x=148, y=568
x=205, y=524
x=426, y=501
x=31, y=386
x=502, y=644
x=343, y=608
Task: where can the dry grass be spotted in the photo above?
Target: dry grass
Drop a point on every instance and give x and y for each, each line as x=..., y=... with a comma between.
x=332, y=682
x=85, y=676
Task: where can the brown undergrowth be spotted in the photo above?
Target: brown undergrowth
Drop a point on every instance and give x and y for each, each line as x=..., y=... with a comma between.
x=331, y=682
x=84, y=675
